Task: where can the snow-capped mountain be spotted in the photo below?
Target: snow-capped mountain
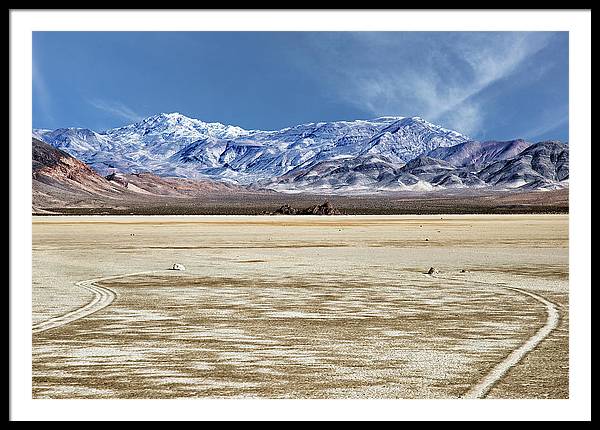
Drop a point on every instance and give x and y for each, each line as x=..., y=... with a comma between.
x=543, y=165
x=173, y=144
x=386, y=153
x=143, y=146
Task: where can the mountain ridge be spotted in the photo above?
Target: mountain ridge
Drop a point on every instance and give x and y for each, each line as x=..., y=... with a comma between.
x=337, y=156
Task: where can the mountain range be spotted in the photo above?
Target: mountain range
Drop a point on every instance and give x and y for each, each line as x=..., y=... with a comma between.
x=360, y=156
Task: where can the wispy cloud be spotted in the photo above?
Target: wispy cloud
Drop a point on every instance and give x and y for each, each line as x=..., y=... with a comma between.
x=116, y=109
x=466, y=117
x=434, y=75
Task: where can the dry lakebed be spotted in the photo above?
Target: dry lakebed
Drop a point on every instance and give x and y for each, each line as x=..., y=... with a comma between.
x=300, y=306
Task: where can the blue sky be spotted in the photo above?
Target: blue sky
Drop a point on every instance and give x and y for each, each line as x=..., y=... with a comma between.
x=489, y=85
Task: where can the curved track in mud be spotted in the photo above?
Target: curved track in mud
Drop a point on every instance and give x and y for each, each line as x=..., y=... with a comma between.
x=102, y=298
x=483, y=387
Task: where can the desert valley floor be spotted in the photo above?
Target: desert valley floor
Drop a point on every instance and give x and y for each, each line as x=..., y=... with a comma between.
x=300, y=306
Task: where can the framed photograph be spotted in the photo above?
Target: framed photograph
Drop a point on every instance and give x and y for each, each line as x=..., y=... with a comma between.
x=239, y=207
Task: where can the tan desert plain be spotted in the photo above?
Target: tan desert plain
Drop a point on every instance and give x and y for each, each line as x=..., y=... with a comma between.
x=300, y=306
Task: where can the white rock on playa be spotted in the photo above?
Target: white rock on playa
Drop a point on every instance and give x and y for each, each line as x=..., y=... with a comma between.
x=178, y=266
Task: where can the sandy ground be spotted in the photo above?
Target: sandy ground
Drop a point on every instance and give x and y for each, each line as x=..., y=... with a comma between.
x=300, y=307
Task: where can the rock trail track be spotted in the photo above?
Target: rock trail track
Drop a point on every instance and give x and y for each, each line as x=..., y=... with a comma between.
x=483, y=387
x=103, y=297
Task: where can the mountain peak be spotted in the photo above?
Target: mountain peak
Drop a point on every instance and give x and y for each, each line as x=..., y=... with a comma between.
x=176, y=116
x=166, y=116
x=389, y=118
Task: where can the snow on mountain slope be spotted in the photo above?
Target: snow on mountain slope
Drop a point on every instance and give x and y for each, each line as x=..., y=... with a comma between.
x=542, y=165
x=146, y=145
x=173, y=144
x=428, y=172
x=407, y=138
x=386, y=153
x=479, y=153
x=359, y=173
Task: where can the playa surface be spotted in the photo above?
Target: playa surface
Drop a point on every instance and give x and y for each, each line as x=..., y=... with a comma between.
x=300, y=307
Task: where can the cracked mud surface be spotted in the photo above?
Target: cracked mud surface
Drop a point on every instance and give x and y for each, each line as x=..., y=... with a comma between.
x=269, y=307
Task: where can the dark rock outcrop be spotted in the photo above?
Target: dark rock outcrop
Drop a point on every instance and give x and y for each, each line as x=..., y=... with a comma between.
x=324, y=209
x=286, y=210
